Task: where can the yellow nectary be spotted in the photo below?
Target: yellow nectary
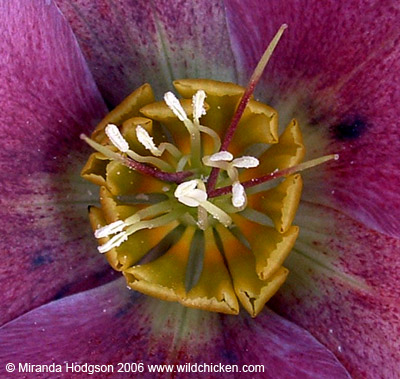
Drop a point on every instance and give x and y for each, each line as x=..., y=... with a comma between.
x=172, y=236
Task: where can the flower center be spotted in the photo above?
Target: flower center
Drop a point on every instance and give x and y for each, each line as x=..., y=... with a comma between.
x=198, y=195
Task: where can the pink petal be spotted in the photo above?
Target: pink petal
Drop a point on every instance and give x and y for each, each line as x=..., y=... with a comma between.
x=128, y=43
x=47, y=98
x=110, y=324
x=343, y=288
x=336, y=69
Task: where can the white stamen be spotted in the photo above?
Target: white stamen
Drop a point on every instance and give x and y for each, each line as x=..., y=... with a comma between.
x=185, y=187
x=188, y=194
x=202, y=218
x=175, y=106
x=238, y=195
x=113, y=242
x=217, y=213
x=112, y=228
x=132, y=220
x=116, y=138
x=245, y=162
x=147, y=141
x=221, y=156
x=194, y=199
x=198, y=105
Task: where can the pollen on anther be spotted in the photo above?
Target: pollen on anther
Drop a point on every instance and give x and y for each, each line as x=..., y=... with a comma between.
x=116, y=138
x=221, y=156
x=185, y=187
x=198, y=105
x=146, y=140
x=245, y=162
x=238, y=195
x=107, y=230
x=115, y=241
x=188, y=194
x=174, y=104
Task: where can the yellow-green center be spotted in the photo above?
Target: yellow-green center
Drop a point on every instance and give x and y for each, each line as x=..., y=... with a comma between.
x=174, y=235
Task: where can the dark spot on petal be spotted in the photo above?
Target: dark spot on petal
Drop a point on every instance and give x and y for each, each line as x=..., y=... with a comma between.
x=123, y=311
x=351, y=128
x=229, y=355
x=127, y=308
x=42, y=257
x=62, y=292
x=85, y=283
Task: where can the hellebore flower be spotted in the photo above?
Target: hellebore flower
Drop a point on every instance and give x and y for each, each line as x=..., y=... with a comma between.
x=335, y=71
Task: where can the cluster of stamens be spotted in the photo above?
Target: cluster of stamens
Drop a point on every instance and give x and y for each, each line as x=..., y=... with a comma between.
x=200, y=191
x=192, y=193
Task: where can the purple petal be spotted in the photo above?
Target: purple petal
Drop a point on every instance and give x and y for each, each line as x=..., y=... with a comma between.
x=128, y=43
x=47, y=98
x=343, y=288
x=110, y=324
x=336, y=69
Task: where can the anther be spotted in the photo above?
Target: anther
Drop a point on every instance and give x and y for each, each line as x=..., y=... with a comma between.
x=246, y=162
x=185, y=187
x=147, y=141
x=116, y=241
x=176, y=107
x=238, y=195
x=188, y=194
x=174, y=104
x=116, y=138
x=198, y=105
x=221, y=156
x=107, y=230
